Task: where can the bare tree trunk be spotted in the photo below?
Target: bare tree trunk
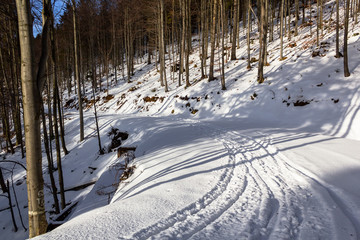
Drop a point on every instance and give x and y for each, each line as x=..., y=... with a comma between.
x=115, y=49
x=296, y=16
x=162, y=45
x=32, y=85
x=11, y=208
x=101, y=151
x=346, y=28
x=188, y=44
x=61, y=125
x=310, y=22
x=56, y=98
x=222, y=11
x=57, y=144
x=281, y=30
x=127, y=44
x=303, y=11
x=204, y=37
x=289, y=19
x=337, y=51
x=248, y=34
x=321, y=16
x=183, y=39
x=317, y=22
x=77, y=73
x=212, y=39
x=235, y=29
x=263, y=34
x=173, y=39
x=50, y=163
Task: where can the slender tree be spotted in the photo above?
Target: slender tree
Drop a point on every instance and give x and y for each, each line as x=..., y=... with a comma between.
x=222, y=12
x=235, y=29
x=296, y=16
x=248, y=34
x=77, y=72
x=281, y=29
x=337, y=51
x=263, y=37
x=162, y=45
x=346, y=28
x=212, y=39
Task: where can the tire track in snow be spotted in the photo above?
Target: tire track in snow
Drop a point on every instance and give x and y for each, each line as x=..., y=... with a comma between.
x=287, y=216
x=253, y=219
x=315, y=222
x=281, y=214
x=198, y=215
x=294, y=194
x=258, y=196
x=334, y=197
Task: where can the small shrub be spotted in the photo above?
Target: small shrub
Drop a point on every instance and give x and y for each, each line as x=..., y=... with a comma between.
x=292, y=45
x=301, y=103
x=252, y=60
x=194, y=111
x=116, y=137
x=108, y=98
x=150, y=99
x=133, y=89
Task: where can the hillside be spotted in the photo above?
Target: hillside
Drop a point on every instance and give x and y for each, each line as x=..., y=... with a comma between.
x=278, y=160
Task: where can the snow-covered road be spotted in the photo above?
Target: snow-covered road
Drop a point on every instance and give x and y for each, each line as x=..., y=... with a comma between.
x=198, y=180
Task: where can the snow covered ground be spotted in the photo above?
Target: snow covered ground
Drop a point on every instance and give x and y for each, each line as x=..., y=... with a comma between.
x=245, y=163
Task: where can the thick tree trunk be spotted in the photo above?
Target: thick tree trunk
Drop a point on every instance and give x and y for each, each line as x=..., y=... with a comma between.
x=32, y=85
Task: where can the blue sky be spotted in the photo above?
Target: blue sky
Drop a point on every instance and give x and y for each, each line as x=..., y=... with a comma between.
x=58, y=11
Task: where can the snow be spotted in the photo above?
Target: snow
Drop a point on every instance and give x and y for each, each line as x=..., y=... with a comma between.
x=236, y=169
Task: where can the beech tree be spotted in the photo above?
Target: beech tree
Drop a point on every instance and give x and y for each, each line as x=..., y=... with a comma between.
x=212, y=39
x=235, y=30
x=346, y=29
x=32, y=86
x=77, y=73
x=337, y=51
x=262, y=39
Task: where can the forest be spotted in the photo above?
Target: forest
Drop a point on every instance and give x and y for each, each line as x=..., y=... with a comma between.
x=56, y=54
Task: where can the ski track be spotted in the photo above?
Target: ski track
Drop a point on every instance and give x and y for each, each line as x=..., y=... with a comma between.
x=258, y=193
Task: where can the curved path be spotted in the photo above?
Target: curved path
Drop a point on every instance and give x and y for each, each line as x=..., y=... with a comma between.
x=258, y=196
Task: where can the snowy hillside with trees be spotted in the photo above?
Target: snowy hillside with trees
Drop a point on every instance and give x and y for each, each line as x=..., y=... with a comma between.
x=225, y=150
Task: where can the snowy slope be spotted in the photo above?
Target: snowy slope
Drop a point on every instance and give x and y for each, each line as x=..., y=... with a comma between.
x=247, y=164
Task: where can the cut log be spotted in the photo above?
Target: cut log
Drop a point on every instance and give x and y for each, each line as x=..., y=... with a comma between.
x=79, y=187
x=59, y=220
